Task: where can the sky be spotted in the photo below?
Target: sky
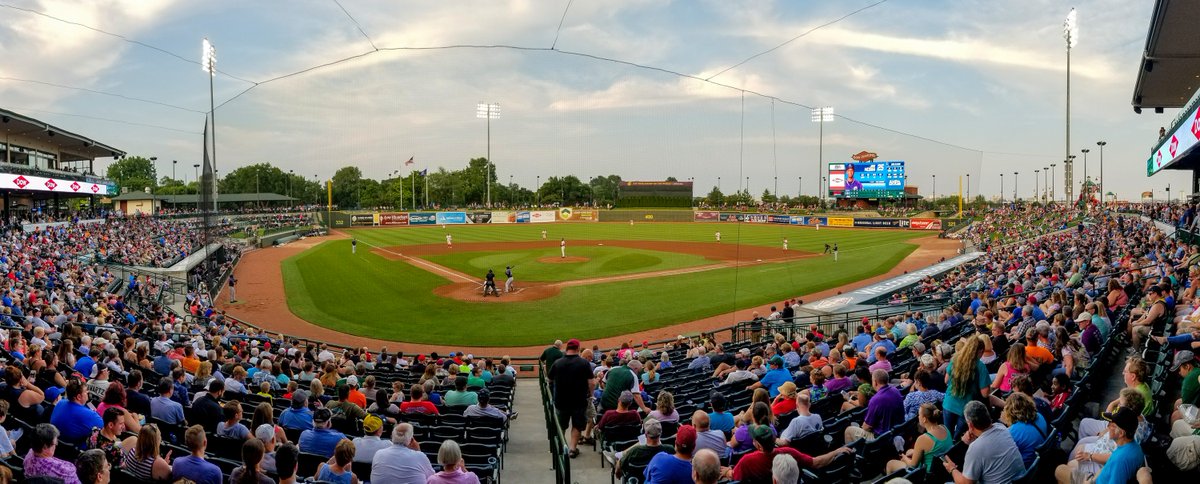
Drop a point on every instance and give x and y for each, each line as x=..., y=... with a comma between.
x=591, y=87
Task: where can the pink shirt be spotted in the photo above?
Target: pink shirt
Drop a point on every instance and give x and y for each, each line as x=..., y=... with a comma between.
x=458, y=476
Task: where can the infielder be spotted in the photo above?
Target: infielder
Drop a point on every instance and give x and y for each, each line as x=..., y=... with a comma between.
x=508, y=284
x=718, y=236
x=785, y=244
x=449, y=241
x=353, y=246
x=562, y=248
x=835, y=251
x=543, y=235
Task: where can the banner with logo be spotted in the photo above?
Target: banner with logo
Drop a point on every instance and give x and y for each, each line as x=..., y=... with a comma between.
x=393, y=219
x=422, y=218
x=40, y=184
x=542, y=216
x=779, y=219
x=880, y=222
x=582, y=214
x=925, y=224
x=456, y=218
x=839, y=221
x=798, y=220
x=362, y=219
x=707, y=216
x=481, y=217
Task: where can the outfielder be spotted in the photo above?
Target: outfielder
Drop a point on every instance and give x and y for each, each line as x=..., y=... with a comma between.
x=785, y=244
x=543, y=235
x=449, y=241
x=718, y=236
x=562, y=248
x=508, y=284
x=353, y=246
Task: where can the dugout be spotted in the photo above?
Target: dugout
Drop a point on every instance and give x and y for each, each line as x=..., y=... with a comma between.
x=44, y=168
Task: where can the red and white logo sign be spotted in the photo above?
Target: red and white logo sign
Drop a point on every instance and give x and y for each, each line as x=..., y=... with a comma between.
x=95, y=188
x=75, y=186
x=1158, y=159
x=51, y=184
x=20, y=181
x=1174, y=145
x=1196, y=124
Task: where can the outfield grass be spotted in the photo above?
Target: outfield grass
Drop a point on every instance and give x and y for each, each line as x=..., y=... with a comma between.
x=369, y=295
x=602, y=261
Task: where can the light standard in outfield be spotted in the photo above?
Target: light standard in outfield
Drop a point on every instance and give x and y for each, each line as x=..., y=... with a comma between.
x=488, y=111
x=821, y=116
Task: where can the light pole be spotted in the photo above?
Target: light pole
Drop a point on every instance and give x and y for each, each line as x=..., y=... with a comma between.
x=1016, y=196
x=1001, y=188
x=488, y=111
x=173, y=164
x=1102, y=194
x=1052, y=170
x=1085, y=152
x=776, y=192
x=821, y=116
x=799, y=188
x=1071, y=35
x=538, y=188
x=968, y=187
x=935, y=188
x=208, y=62
x=1037, y=185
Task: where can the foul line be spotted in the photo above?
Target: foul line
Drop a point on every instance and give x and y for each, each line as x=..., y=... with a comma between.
x=427, y=265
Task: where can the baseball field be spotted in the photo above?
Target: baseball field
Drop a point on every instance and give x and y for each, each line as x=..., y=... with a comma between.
x=406, y=284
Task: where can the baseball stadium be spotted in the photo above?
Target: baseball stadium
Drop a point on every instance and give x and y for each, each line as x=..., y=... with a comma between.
x=646, y=269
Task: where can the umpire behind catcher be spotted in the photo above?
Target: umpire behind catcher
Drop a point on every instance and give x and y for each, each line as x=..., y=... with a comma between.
x=490, y=284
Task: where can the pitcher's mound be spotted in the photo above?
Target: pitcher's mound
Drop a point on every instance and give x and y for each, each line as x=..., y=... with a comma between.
x=563, y=260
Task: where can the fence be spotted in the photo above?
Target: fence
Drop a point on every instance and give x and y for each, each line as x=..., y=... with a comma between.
x=559, y=449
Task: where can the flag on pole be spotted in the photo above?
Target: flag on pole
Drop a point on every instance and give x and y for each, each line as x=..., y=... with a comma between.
x=410, y=161
x=425, y=172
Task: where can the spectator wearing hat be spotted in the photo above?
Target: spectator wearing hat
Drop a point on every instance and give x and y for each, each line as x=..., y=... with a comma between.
x=484, y=408
x=883, y=339
x=786, y=400
x=674, y=468
x=1121, y=465
x=572, y=381
x=266, y=433
x=1089, y=336
x=321, y=439
x=774, y=378
x=756, y=466
x=1185, y=365
x=355, y=395
x=366, y=446
x=298, y=416
x=639, y=455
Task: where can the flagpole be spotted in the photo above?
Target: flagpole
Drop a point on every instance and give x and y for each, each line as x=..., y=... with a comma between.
x=426, y=177
x=414, y=189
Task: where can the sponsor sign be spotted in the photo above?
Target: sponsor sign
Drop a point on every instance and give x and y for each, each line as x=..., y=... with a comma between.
x=708, y=216
x=504, y=217
x=839, y=221
x=362, y=219
x=542, y=216
x=798, y=220
x=654, y=184
x=779, y=219
x=815, y=221
x=872, y=179
x=880, y=222
x=925, y=224
x=1174, y=145
x=758, y=218
x=568, y=213
x=481, y=217
x=393, y=219
x=13, y=181
x=422, y=218
x=451, y=218
x=731, y=217
x=523, y=217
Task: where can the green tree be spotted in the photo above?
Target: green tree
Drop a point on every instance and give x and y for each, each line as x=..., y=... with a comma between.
x=605, y=189
x=346, y=185
x=767, y=197
x=715, y=198
x=133, y=173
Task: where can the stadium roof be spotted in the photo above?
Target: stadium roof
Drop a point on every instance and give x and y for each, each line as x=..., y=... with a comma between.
x=1170, y=67
x=71, y=146
x=193, y=198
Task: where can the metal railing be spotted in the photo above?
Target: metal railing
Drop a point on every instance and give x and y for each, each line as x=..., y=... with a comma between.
x=560, y=459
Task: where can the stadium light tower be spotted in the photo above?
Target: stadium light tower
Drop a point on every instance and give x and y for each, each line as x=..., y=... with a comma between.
x=488, y=111
x=821, y=116
x=1071, y=35
x=1102, y=194
x=1016, y=198
x=208, y=62
x=1001, y=188
x=1052, y=170
x=1037, y=185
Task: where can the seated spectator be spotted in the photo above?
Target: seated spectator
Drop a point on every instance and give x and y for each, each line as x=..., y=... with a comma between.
x=741, y=373
x=639, y=455
x=108, y=438
x=417, y=403
x=706, y=436
x=338, y=470
x=720, y=418
x=72, y=415
x=706, y=468
x=759, y=414
x=92, y=467
x=251, y=470
x=777, y=376
x=670, y=468
x=298, y=416
x=194, y=467
x=932, y=444
x=1189, y=393
x=756, y=466
x=459, y=396
x=881, y=360
x=1119, y=465
x=1016, y=364
x=665, y=408
x=785, y=402
x=164, y=407
x=1028, y=428
x=921, y=394
x=232, y=426
x=885, y=410
x=266, y=434
x=40, y=460
x=625, y=414
x=321, y=439
x=137, y=402
x=403, y=461
x=453, y=471
x=206, y=409
x=992, y=456
x=366, y=446
x=143, y=459
x=841, y=380
x=236, y=383
x=343, y=407
x=804, y=424
x=484, y=408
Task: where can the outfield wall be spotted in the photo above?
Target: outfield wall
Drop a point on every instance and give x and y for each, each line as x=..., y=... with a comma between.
x=573, y=215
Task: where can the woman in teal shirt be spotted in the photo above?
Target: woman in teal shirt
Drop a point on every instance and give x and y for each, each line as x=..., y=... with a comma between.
x=934, y=443
x=966, y=380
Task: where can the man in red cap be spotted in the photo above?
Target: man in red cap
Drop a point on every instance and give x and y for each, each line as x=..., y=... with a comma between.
x=674, y=468
x=572, y=382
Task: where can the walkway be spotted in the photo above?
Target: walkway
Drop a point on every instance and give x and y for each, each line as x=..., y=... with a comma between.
x=528, y=456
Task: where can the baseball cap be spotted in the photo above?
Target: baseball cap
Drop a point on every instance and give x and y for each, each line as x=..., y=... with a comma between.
x=299, y=398
x=322, y=415
x=352, y=380
x=685, y=439
x=1125, y=419
x=762, y=433
x=848, y=348
x=372, y=423
x=265, y=432
x=1084, y=316
x=1182, y=358
x=776, y=360
x=573, y=344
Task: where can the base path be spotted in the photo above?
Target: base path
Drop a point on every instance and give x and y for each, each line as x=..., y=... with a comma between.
x=263, y=302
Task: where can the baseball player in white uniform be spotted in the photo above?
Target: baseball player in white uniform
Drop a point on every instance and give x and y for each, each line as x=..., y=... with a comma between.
x=543, y=235
x=449, y=241
x=508, y=283
x=718, y=235
x=562, y=248
x=785, y=244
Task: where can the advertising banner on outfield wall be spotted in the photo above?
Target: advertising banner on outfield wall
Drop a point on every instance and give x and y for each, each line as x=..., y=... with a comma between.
x=839, y=221
x=542, y=216
x=481, y=217
x=708, y=216
x=451, y=218
x=815, y=221
x=393, y=219
x=925, y=224
x=577, y=214
x=507, y=217
x=422, y=218
x=779, y=219
x=362, y=219
x=881, y=222
x=797, y=220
